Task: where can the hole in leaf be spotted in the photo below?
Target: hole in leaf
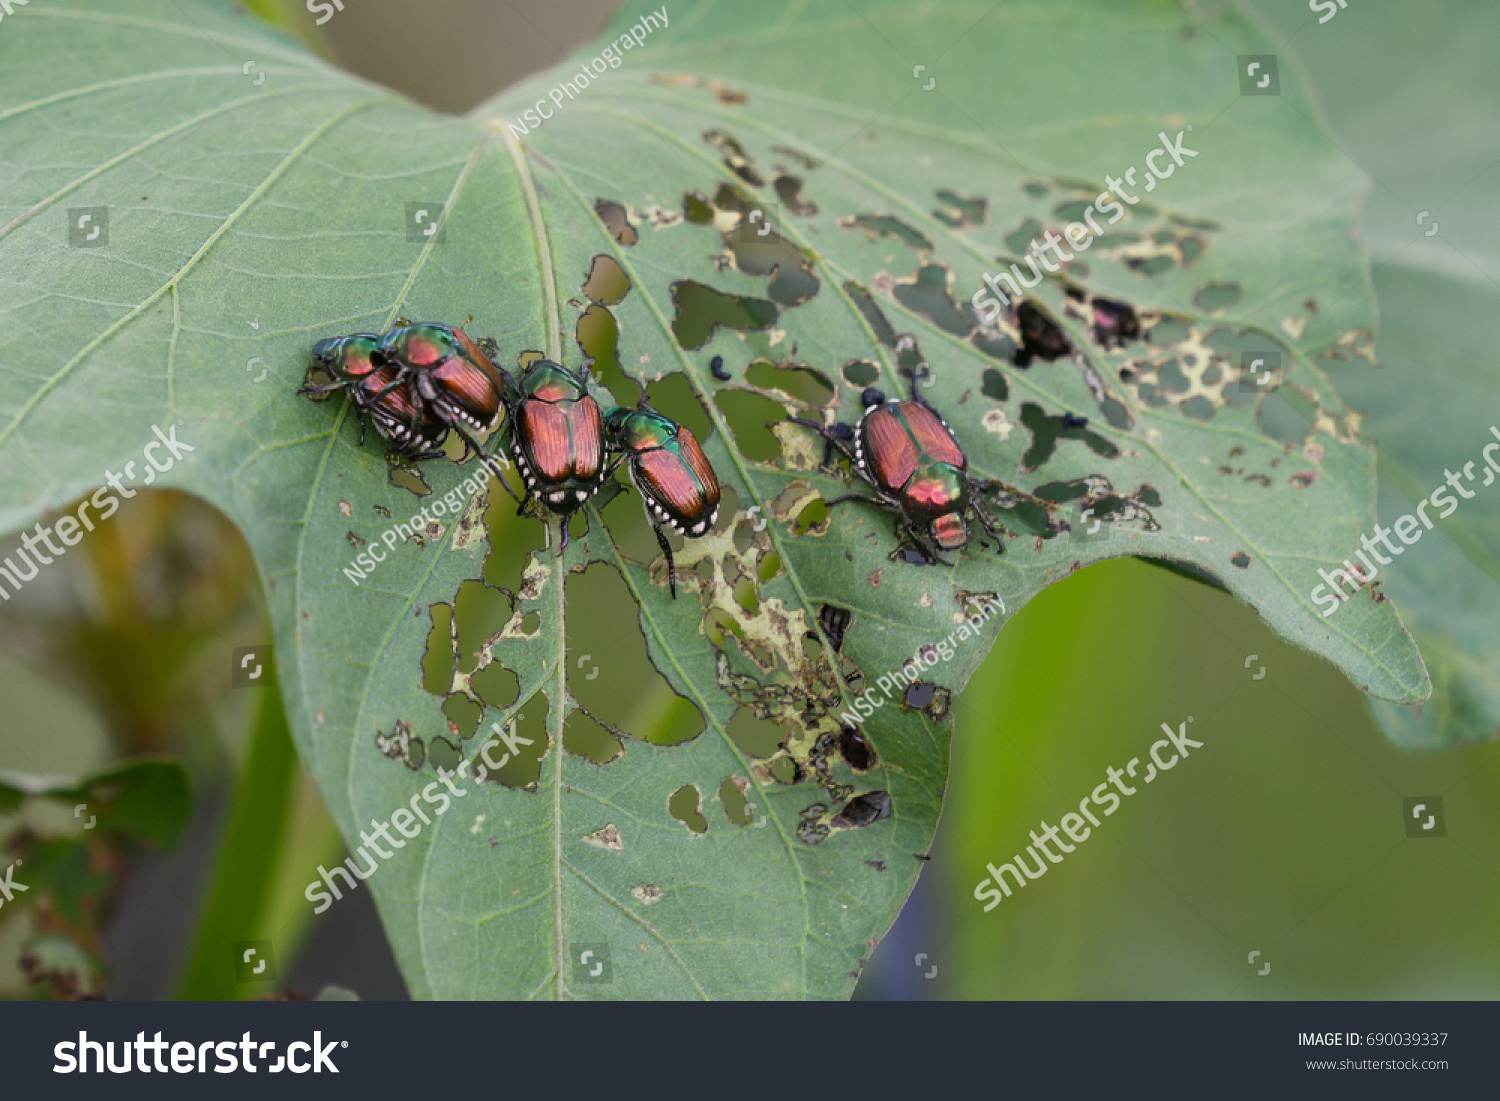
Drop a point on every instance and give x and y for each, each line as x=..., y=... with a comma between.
x=496, y=685
x=814, y=515
x=598, y=335
x=809, y=386
x=769, y=567
x=873, y=314
x=928, y=293
x=994, y=385
x=463, y=715
x=860, y=373
x=784, y=770
x=1115, y=323
x=444, y=755
x=1212, y=297
x=788, y=191
x=696, y=208
x=512, y=539
x=876, y=226
x=1286, y=416
x=701, y=309
x=755, y=737
x=482, y=613
x=769, y=254
x=684, y=806
x=856, y=749
x=615, y=219
x=1047, y=430
x=674, y=395
x=609, y=666
x=584, y=737
x=399, y=745
x=513, y=755
x=1018, y=241
x=607, y=283
x=747, y=415
x=1041, y=337
x=732, y=797
x=961, y=211
x=834, y=622
x=437, y=662
x=735, y=158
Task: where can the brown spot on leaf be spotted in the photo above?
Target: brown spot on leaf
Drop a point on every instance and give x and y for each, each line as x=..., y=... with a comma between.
x=606, y=838
x=400, y=745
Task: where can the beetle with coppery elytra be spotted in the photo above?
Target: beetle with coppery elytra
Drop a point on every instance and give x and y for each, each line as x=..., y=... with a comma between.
x=908, y=454
x=557, y=438
x=380, y=393
x=678, y=485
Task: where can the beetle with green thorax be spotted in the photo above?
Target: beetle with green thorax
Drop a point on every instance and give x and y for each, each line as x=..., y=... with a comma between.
x=667, y=465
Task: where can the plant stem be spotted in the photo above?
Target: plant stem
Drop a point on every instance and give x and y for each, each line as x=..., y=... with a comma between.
x=245, y=865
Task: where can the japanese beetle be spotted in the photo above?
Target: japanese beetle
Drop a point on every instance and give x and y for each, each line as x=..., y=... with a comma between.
x=677, y=484
x=451, y=373
x=557, y=438
x=907, y=453
x=380, y=393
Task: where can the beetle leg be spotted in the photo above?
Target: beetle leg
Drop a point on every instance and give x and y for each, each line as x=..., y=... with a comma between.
x=563, y=520
x=830, y=439
x=400, y=381
x=931, y=550
x=987, y=522
x=876, y=501
x=916, y=383
x=666, y=549
x=319, y=391
x=610, y=473
x=487, y=460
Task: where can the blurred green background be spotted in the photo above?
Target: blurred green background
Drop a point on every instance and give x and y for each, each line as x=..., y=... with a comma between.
x=1284, y=835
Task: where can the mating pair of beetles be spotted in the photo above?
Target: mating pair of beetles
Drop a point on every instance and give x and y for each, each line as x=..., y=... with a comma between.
x=419, y=381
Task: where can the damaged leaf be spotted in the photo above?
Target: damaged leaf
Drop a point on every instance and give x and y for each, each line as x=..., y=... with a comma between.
x=624, y=229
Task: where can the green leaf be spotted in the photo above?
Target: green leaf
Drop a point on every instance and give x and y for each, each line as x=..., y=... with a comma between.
x=145, y=799
x=1446, y=582
x=247, y=221
x=1430, y=226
